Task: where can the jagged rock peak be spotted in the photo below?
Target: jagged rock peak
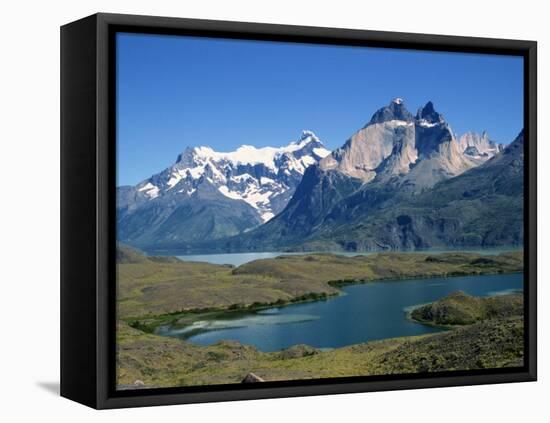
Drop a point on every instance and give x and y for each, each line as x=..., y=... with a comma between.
x=427, y=115
x=472, y=151
x=482, y=143
x=308, y=134
x=251, y=155
x=396, y=110
x=186, y=158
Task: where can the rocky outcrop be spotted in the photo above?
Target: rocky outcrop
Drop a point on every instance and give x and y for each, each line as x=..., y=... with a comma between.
x=459, y=308
x=252, y=378
x=298, y=351
x=480, y=143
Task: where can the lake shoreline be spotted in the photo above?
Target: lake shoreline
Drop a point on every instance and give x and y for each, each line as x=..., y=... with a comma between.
x=203, y=292
x=227, y=362
x=235, y=309
x=148, y=284
x=239, y=309
x=492, y=250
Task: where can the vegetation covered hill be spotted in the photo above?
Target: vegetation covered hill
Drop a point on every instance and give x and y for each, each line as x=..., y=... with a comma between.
x=163, y=362
x=152, y=286
x=460, y=308
x=160, y=290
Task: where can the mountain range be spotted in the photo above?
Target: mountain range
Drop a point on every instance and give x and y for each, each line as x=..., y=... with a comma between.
x=403, y=181
x=206, y=195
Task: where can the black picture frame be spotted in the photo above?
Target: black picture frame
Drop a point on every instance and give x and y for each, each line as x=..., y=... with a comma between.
x=88, y=286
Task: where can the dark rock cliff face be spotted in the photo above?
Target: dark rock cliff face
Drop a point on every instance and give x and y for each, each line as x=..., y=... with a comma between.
x=396, y=110
x=428, y=114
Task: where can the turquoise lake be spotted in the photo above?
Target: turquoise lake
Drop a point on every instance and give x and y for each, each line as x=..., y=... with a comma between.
x=365, y=312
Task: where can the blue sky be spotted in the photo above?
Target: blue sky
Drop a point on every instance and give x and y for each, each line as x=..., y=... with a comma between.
x=174, y=92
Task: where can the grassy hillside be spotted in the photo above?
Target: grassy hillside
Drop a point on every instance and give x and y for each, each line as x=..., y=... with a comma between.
x=162, y=362
x=155, y=290
x=152, y=286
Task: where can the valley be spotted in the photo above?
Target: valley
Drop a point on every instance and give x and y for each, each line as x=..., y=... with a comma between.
x=343, y=275
x=156, y=291
x=156, y=286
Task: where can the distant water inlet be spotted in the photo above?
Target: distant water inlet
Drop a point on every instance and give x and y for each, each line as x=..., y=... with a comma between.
x=371, y=311
x=237, y=259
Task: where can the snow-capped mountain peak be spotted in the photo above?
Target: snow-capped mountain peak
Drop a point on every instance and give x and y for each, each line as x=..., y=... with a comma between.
x=262, y=177
x=251, y=155
x=307, y=136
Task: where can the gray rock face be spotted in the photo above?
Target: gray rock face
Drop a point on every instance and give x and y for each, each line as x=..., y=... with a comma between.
x=471, y=142
x=472, y=151
x=403, y=156
x=439, y=157
x=390, y=132
x=369, y=147
x=419, y=150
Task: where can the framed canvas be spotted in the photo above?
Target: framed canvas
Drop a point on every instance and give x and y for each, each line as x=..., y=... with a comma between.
x=257, y=211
